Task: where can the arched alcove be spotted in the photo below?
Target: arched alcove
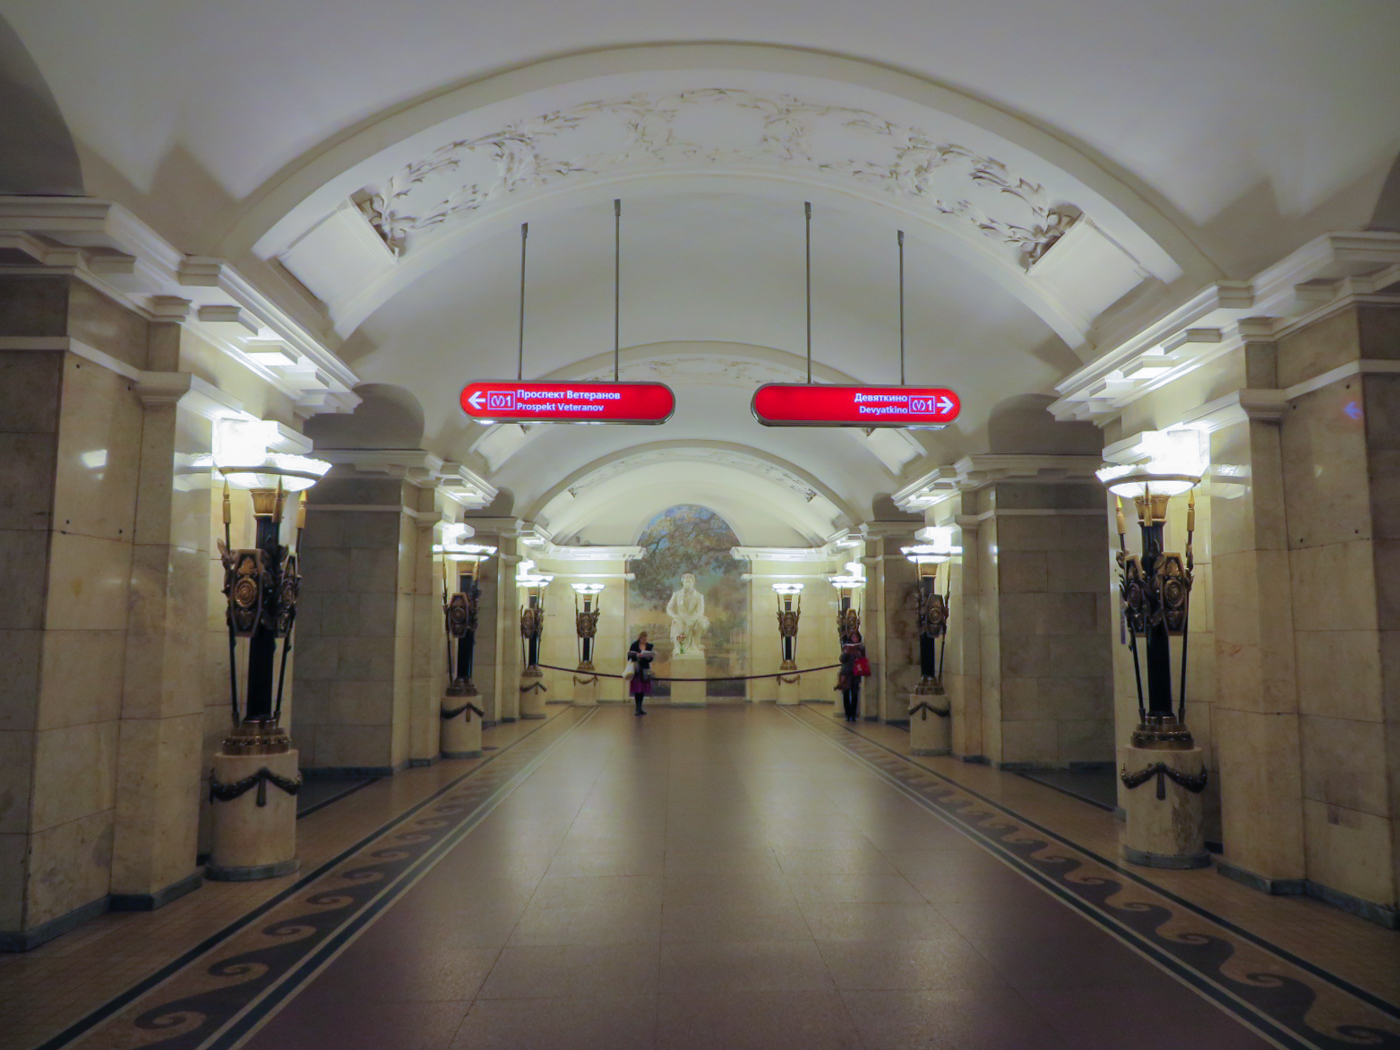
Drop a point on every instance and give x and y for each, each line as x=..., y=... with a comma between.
x=39, y=157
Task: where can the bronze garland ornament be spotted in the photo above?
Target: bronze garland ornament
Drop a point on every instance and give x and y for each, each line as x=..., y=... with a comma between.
x=1163, y=772
x=228, y=792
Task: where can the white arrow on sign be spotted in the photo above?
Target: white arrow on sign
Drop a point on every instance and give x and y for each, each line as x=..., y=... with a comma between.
x=475, y=399
x=945, y=404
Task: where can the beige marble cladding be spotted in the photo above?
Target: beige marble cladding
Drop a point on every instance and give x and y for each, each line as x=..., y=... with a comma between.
x=1055, y=615
x=352, y=678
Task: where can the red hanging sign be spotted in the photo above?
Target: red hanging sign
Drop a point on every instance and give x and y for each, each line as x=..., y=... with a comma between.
x=508, y=401
x=803, y=405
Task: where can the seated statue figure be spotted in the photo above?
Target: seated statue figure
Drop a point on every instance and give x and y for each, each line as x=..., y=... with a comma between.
x=687, y=612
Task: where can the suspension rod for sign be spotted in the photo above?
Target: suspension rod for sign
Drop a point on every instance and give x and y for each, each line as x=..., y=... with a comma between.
x=617, y=284
x=520, y=355
x=807, y=205
x=901, y=307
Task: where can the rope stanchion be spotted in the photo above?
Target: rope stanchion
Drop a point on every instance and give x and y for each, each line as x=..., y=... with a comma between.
x=717, y=678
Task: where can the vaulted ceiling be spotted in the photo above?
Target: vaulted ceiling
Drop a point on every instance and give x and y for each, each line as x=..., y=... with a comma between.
x=1061, y=173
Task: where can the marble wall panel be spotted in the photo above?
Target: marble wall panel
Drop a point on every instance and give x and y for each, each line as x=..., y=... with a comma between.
x=102, y=323
x=342, y=746
x=1350, y=851
x=1078, y=699
x=1324, y=466
x=1318, y=348
x=1075, y=613
x=24, y=556
x=14, y=852
x=75, y=770
x=365, y=659
x=1026, y=656
x=1344, y=763
x=369, y=528
x=1079, y=656
x=26, y=480
x=34, y=304
x=1083, y=740
x=70, y=865
x=158, y=801
x=1022, y=571
x=88, y=583
x=1035, y=742
x=99, y=453
x=1339, y=674
x=81, y=678
x=1378, y=328
x=1020, y=698
x=16, y=771
x=1336, y=585
x=31, y=383
x=1081, y=571
x=1381, y=401
x=1260, y=789
x=19, y=678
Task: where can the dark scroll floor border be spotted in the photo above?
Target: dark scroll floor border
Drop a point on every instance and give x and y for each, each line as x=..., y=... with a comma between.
x=1281, y=1031
x=123, y=999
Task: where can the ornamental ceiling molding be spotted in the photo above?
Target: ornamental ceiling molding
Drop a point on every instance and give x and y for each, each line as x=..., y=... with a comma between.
x=955, y=184
x=978, y=471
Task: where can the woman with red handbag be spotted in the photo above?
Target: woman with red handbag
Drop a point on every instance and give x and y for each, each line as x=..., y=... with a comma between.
x=854, y=667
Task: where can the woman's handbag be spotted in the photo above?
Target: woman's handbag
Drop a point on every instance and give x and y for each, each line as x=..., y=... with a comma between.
x=861, y=668
x=628, y=674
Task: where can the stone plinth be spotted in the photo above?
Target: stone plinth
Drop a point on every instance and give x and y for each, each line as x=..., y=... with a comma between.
x=532, y=693
x=585, y=689
x=930, y=725
x=252, y=841
x=1165, y=832
x=789, y=689
x=461, y=728
x=688, y=694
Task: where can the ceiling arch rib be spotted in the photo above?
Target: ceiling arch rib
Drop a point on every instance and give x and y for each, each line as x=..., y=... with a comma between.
x=768, y=500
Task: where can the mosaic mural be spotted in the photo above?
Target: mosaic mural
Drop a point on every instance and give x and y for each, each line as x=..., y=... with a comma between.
x=689, y=538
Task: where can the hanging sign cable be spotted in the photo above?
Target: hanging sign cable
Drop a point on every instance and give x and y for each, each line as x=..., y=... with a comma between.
x=520, y=355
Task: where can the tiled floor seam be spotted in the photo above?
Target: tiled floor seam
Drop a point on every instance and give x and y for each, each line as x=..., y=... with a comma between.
x=121, y=1001
x=1252, y=1016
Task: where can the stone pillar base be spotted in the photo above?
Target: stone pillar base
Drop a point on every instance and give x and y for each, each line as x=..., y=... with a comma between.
x=586, y=685
x=461, y=728
x=789, y=689
x=930, y=732
x=532, y=694
x=252, y=841
x=1165, y=832
x=688, y=694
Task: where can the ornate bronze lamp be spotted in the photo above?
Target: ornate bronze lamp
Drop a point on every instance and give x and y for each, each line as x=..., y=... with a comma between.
x=932, y=608
x=587, y=609
x=1155, y=589
x=789, y=599
x=532, y=687
x=261, y=583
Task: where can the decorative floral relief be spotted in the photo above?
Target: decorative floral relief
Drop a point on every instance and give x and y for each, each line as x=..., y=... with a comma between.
x=645, y=130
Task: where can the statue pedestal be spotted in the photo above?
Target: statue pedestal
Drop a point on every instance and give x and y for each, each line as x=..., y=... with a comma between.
x=789, y=689
x=532, y=693
x=461, y=728
x=930, y=733
x=585, y=685
x=688, y=665
x=1166, y=832
x=252, y=841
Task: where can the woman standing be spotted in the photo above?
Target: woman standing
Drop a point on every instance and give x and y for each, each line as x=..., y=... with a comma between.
x=642, y=655
x=852, y=654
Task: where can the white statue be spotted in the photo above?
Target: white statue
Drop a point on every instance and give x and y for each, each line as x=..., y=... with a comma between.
x=687, y=612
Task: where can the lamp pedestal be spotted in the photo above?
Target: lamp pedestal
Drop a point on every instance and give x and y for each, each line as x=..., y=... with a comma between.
x=930, y=723
x=1164, y=820
x=585, y=686
x=461, y=721
x=252, y=791
x=688, y=665
x=532, y=693
x=789, y=686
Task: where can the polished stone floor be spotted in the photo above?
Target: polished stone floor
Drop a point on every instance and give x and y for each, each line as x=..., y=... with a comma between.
x=740, y=876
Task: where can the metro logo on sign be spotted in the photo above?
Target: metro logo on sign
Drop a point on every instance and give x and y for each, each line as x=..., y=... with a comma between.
x=801, y=405
x=509, y=401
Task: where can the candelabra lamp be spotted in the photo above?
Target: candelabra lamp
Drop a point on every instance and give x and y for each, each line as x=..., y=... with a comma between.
x=789, y=598
x=1164, y=823
x=461, y=714
x=255, y=779
x=849, y=585
x=930, y=713
x=532, y=687
x=587, y=609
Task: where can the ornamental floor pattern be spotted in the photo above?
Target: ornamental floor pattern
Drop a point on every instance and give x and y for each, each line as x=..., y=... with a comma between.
x=725, y=877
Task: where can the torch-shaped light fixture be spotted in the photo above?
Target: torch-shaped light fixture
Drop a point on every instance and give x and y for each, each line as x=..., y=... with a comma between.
x=848, y=584
x=1156, y=585
x=789, y=596
x=586, y=621
x=262, y=581
x=932, y=607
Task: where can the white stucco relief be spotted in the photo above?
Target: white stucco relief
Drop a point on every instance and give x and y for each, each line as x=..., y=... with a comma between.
x=720, y=128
